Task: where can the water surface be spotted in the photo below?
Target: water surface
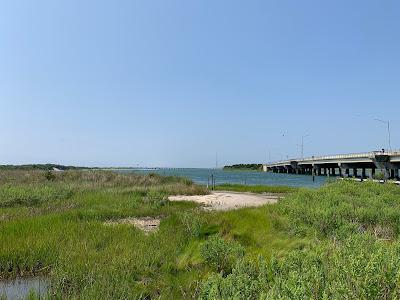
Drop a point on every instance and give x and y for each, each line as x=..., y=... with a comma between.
x=202, y=176
x=20, y=288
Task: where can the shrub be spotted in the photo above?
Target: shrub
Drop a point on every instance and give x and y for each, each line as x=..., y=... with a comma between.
x=247, y=281
x=192, y=223
x=358, y=268
x=220, y=254
x=32, y=195
x=49, y=175
x=343, y=208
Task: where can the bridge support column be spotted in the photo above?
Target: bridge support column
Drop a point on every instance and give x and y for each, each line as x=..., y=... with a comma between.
x=392, y=174
x=355, y=172
x=386, y=171
x=333, y=171
x=363, y=174
x=340, y=172
x=347, y=172
x=373, y=170
x=396, y=174
x=319, y=171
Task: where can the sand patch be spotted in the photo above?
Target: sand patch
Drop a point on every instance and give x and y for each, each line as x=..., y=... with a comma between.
x=147, y=224
x=229, y=200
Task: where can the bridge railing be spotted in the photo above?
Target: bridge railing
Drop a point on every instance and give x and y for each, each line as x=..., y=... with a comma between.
x=336, y=157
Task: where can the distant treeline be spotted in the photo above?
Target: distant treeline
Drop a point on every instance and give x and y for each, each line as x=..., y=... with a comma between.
x=44, y=167
x=256, y=167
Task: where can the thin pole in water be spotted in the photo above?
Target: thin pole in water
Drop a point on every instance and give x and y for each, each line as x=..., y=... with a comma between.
x=313, y=170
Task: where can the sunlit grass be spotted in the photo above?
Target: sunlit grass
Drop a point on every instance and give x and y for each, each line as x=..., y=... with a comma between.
x=56, y=228
x=255, y=188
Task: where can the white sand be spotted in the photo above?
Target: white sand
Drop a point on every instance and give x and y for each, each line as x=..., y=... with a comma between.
x=229, y=200
x=147, y=224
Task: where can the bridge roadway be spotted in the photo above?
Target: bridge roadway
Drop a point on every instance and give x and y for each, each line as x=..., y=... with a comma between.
x=359, y=165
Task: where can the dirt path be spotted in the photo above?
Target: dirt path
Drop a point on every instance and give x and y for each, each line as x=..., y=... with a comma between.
x=229, y=200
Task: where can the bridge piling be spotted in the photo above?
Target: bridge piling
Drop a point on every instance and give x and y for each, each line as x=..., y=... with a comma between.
x=359, y=164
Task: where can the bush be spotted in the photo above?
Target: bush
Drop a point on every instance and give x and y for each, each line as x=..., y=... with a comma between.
x=343, y=208
x=32, y=195
x=247, y=281
x=220, y=254
x=49, y=175
x=155, y=199
x=358, y=268
x=192, y=223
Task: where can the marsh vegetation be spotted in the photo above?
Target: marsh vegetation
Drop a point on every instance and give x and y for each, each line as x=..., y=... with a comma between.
x=339, y=241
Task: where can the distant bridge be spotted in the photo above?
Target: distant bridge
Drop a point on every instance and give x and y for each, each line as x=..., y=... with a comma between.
x=359, y=165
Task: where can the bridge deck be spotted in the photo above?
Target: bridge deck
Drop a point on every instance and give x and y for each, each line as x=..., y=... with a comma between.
x=387, y=162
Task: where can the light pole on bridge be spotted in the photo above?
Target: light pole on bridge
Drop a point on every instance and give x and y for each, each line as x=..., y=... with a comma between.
x=388, y=129
x=302, y=145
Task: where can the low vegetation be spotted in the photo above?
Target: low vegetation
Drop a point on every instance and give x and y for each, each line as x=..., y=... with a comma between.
x=255, y=188
x=244, y=167
x=43, y=167
x=351, y=248
x=339, y=241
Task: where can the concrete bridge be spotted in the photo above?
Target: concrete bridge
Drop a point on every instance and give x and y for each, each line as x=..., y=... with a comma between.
x=359, y=165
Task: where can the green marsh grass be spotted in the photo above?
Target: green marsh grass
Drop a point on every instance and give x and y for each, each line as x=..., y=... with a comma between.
x=339, y=240
x=255, y=188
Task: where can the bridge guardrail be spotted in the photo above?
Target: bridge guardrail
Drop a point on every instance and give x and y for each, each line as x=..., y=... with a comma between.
x=340, y=156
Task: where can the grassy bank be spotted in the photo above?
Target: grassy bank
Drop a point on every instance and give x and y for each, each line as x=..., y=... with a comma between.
x=255, y=188
x=339, y=241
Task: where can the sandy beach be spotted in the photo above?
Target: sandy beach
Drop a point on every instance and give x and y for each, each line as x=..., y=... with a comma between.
x=229, y=200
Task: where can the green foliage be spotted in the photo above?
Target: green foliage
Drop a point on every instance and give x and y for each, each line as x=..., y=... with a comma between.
x=220, y=254
x=359, y=268
x=192, y=222
x=40, y=167
x=248, y=280
x=32, y=195
x=155, y=198
x=340, y=241
x=57, y=228
x=241, y=167
x=255, y=188
x=49, y=176
x=379, y=176
x=343, y=208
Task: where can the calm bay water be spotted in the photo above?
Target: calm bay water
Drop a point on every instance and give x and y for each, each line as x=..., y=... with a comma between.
x=20, y=288
x=201, y=176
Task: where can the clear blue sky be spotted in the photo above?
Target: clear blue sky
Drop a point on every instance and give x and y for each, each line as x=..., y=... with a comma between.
x=169, y=83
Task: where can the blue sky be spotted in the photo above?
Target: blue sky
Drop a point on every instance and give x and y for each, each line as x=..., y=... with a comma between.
x=170, y=83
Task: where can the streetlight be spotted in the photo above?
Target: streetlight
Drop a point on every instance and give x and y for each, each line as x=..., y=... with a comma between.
x=302, y=145
x=388, y=129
